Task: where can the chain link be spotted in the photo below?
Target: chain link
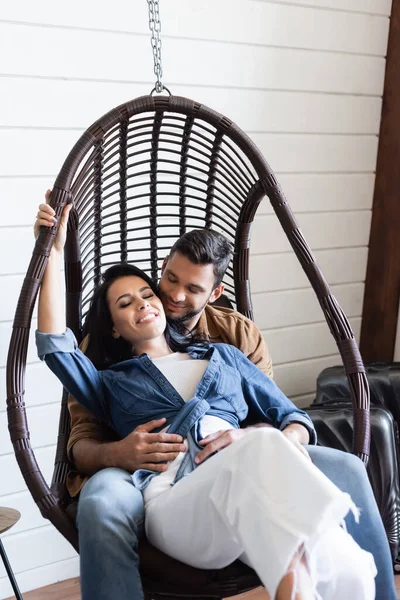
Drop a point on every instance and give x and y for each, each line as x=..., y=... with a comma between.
x=155, y=28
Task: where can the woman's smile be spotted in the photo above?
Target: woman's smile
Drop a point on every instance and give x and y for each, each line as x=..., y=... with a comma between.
x=149, y=317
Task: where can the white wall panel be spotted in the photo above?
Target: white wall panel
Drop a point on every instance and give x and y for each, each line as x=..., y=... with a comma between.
x=318, y=153
x=190, y=61
x=19, y=154
x=321, y=230
x=24, y=195
x=36, y=548
x=285, y=153
x=298, y=378
x=41, y=386
x=43, y=426
x=8, y=302
x=275, y=272
x=43, y=576
x=303, y=342
x=14, y=481
x=319, y=192
x=239, y=21
x=18, y=239
x=298, y=307
x=373, y=7
x=30, y=514
x=254, y=110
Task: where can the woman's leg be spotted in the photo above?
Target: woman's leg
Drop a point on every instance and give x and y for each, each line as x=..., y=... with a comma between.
x=342, y=568
x=259, y=496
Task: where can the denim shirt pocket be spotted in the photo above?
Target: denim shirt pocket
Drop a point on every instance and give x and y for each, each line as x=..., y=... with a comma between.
x=132, y=391
x=229, y=386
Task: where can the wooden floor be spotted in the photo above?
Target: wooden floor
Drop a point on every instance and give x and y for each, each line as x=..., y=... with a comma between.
x=69, y=590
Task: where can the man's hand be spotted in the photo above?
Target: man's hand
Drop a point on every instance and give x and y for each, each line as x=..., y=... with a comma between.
x=142, y=449
x=297, y=435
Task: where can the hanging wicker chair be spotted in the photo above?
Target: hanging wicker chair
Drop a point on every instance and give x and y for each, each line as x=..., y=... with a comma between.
x=138, y=178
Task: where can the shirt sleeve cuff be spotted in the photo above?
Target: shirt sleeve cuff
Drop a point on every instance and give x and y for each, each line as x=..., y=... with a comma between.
x=302, y=420
x=49, y=343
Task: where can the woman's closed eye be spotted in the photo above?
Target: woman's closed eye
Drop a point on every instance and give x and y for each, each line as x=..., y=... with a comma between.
x=146, y=297
x=125, y=304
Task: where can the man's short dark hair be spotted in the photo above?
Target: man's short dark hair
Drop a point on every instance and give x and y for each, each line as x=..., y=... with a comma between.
x=205, y=247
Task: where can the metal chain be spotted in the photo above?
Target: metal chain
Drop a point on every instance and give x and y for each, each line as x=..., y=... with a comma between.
x=155, y=28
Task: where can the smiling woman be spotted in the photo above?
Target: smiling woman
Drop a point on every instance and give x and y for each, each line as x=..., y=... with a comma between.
x=136, y=313
x=126, y=318
x=138, y=369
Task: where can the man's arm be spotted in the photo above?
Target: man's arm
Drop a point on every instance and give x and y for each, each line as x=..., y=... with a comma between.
x=141, y=449
x=252, y=344
x=250, y=341
x=92, y=446
x=231, y=327
x=87, y=436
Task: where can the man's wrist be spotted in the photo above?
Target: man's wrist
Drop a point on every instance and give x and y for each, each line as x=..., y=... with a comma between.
x=297, y=431
x=109, y=454
x=294, y=430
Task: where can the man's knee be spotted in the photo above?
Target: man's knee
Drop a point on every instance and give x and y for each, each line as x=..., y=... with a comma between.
x=342, y=468
x=109, y=498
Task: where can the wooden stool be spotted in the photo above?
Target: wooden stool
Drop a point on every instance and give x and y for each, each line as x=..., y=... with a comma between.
x=8, y=518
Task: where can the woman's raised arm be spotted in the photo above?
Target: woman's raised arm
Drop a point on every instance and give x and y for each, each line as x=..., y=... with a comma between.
x=51, y=314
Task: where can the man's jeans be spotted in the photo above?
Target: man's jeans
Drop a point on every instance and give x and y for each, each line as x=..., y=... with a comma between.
x=111, y=514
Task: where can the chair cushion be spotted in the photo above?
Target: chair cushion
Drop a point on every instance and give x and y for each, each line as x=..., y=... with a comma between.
x=162, y=574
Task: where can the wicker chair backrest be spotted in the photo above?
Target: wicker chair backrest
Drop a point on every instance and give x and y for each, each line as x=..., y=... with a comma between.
x=139, y=177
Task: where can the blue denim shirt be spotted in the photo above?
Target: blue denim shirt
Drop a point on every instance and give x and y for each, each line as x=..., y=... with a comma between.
x=135, y=391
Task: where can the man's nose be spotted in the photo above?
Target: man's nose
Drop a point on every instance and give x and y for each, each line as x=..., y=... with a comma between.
x=178, y=295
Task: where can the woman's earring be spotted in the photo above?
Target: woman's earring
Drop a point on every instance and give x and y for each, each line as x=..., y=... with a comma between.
x=115, y=334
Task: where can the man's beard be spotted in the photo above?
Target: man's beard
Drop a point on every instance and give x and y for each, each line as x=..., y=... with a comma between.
x=179, y=322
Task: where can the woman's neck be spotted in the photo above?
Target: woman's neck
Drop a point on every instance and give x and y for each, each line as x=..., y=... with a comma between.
x=156, y=348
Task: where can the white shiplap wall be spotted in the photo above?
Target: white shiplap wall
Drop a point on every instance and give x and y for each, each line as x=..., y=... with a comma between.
x=304, y=78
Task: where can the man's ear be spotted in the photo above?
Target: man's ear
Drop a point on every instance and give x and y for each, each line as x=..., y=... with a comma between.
x=217, y=293
x=165, y=261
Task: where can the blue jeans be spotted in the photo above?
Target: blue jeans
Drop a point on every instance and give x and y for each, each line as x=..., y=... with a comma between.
x=349, y=474
x=111, y=514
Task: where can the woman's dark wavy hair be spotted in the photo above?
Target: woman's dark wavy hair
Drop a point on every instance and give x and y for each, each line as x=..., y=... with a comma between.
x=103, y=349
